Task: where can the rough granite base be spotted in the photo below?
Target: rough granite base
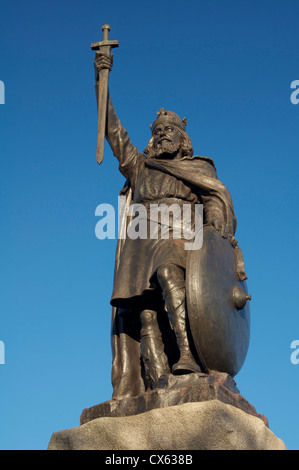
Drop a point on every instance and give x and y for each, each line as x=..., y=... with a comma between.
x=188, y=412
x=209, y=425
x=175, y=390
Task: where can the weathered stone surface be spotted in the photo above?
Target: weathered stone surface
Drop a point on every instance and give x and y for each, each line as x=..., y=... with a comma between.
x=209, y=425
x=175, y=390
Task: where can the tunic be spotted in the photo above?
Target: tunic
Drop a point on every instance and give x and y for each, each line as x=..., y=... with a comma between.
x=140, y=258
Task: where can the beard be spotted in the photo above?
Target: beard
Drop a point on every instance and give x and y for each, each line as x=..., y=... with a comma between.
x=166, y=149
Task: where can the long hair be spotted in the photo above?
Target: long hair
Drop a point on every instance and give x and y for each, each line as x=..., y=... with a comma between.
x=186, y=145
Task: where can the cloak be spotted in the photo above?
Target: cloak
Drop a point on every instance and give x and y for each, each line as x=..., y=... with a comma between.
x=199, y=173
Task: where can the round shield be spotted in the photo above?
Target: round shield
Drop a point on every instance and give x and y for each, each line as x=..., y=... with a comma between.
x=217, y=303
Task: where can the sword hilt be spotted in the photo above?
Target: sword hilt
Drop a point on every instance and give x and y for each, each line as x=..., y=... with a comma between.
x=105, y=43
x=106, y=28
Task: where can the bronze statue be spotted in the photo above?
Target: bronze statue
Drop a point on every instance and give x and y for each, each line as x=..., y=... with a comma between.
x=175, y=311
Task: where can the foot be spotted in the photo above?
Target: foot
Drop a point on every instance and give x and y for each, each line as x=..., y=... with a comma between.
x=181, y=368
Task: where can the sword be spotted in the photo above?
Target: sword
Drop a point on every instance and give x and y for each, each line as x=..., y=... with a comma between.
x=103, y=46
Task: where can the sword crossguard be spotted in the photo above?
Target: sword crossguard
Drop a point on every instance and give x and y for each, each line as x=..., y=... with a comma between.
x=105, y=43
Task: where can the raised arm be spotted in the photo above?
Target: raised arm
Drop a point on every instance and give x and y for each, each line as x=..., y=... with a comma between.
x=116, y=135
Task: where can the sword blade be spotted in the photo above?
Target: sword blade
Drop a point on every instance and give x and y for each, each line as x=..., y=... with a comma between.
x=102, y=112
x=105, y=47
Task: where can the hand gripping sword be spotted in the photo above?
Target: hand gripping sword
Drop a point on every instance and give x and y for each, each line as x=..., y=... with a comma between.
x=103, y=46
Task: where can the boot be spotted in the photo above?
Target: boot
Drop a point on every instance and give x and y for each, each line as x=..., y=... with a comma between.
x=152, y=349
x=175, y=306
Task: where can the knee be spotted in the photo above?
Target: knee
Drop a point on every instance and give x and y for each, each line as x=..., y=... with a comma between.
x=168, y=273
x=148, y=318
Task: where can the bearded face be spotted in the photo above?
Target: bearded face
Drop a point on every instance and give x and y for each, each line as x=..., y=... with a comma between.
x=167, y=140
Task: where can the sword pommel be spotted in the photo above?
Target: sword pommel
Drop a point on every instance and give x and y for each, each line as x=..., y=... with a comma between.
x=105, y=28
x=96, y=46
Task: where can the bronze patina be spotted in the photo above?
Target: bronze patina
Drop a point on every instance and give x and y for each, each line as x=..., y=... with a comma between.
x=104, y=47
x=175, y=311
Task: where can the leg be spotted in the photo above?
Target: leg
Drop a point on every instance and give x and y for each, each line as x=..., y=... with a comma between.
x=126, y=374
x=172, y=281
x=152, y=348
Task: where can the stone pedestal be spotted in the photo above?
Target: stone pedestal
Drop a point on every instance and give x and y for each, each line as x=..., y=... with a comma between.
x=175, y=390
x=190, y=412
x=209, y=425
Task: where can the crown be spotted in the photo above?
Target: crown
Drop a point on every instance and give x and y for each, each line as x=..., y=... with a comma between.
x=171, y=118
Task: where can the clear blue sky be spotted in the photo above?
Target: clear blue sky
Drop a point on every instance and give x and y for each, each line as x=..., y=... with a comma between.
x=227, y=66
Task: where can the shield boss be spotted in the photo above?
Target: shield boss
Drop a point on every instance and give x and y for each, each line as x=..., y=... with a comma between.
x=218, y=310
